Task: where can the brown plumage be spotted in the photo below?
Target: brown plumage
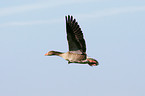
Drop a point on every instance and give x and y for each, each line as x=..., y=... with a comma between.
x=76, y=43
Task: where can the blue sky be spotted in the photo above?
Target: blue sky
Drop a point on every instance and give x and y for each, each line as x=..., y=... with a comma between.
x=114, y=32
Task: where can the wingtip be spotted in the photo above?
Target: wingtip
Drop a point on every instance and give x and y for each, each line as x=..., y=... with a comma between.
x=66, y=18
x=69, y=16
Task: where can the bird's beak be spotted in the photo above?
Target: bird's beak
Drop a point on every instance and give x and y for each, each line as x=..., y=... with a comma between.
x=46, y=54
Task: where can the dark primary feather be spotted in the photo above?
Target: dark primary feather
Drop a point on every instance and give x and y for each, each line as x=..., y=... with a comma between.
x=75, y=38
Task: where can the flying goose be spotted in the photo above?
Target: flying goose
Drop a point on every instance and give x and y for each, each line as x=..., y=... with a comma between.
x=76, y=43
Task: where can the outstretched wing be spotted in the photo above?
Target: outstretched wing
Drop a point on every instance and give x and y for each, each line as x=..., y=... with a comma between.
x=75, y=38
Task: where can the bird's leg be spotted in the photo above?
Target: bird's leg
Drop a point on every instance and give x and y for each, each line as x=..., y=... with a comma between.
x=85, y=60
x=82, y=61
x=91, y=61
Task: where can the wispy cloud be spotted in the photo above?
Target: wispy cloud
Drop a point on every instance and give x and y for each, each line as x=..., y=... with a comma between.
x=86, y=16
x=30, y=7
x=112, y=12
x=27, y=23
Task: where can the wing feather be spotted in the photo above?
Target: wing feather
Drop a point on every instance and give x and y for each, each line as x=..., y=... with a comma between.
x=74, y=35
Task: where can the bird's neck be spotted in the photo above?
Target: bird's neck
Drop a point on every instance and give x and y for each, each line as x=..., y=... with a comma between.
x=58, y=53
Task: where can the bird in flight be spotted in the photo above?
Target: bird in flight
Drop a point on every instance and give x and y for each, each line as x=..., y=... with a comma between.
x=76, y=43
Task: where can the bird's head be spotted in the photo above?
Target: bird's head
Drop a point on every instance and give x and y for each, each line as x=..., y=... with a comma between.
x=92, y=62
x=50, y=53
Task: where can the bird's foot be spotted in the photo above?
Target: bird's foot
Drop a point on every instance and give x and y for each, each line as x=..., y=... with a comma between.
x=91, y=61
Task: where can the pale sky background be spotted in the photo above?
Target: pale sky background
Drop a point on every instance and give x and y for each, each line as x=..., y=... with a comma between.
x=115, y=35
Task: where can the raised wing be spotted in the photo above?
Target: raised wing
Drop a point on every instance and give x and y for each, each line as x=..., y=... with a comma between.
x=75, y=38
